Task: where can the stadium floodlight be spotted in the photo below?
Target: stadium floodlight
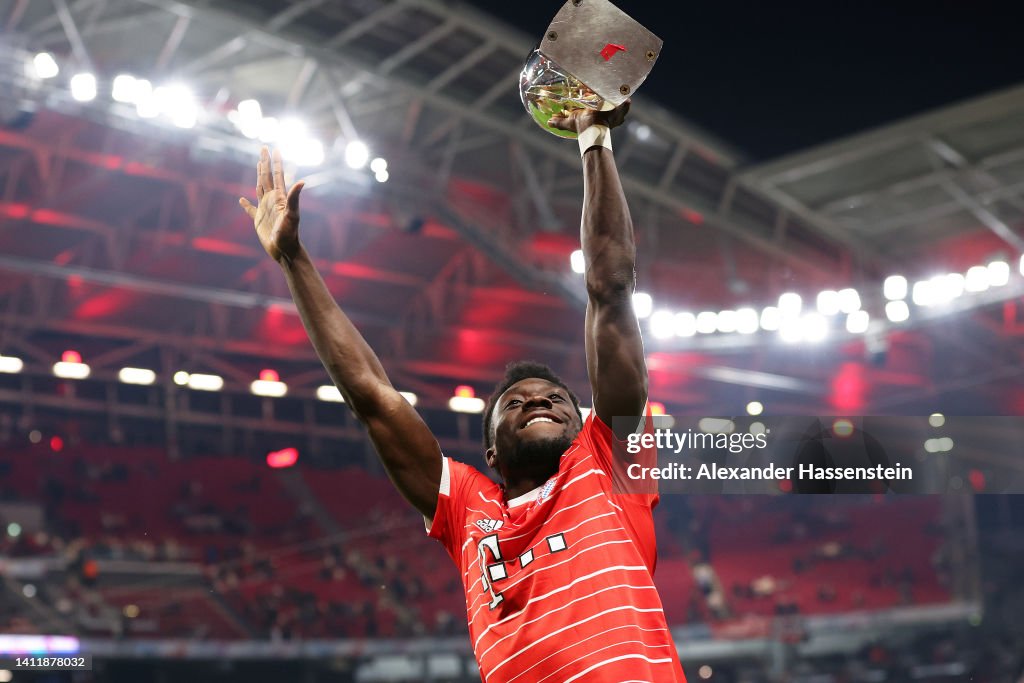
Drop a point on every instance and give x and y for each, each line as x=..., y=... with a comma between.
x=895, y=287
x=177, y=102
x=726, y=322
x=357, y=154
x=746, y=321
x=382, y=176
x=977, y=279
x=828, y=302
x=791, y=331
x=790, y=305
x=815, y=327
x=269, y=130
x=410, y=397
x=857, y=322
x=643, y=305
x=466, y=404
x=329, y=393
x=11, y=364
x=181, y=378
x=123, y=88
x=923, y=293
x=577, y=262
x=771, y=318
x=662, y=324
x=269, y=388
x=998, y=273
x=83, y=87
x=684, y=324
x=310, y=152
x=849, y=300
x=249, y=118
x=45, y=66
x=140, y=376
x=202, y=382
x=755, y=408
x=71, y=366
x=378, y=165
x=936, y=419
x=953, y=285
x=707, y=322
x=897, y=311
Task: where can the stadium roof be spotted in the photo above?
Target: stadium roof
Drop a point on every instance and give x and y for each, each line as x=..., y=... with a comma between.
x=460, y=261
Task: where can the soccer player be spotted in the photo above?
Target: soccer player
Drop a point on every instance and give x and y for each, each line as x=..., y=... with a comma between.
x=557, y=566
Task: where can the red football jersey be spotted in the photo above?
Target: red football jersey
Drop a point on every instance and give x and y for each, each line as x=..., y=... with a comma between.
x=559, y=582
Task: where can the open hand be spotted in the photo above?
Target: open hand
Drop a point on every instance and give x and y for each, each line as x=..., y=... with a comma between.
x=578, y=120
x=276, y=215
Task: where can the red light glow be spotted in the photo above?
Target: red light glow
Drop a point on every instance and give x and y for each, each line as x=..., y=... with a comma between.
x=71, y=357
x=269, y=376
x=285, y=457
x=56, y=444
x=465, y=391
x=657, y=408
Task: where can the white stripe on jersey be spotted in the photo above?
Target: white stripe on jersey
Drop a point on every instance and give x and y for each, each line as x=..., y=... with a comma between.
x=566, y=628
x=552, y=566
x=606, y=647
x=590, y=637
x=552, y=611
x=616, y=659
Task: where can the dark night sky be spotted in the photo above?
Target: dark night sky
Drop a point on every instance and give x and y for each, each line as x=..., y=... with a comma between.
x=776, y=77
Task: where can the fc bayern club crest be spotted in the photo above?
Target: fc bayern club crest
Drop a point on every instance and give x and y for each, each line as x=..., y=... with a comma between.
x=546, y=491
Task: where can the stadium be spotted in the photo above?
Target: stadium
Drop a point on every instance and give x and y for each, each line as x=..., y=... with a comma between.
x=186, y=496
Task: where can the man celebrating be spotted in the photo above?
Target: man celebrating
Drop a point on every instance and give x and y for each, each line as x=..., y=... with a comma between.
x=557, y=568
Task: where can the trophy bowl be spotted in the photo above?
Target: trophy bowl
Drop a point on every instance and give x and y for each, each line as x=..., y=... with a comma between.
x=546, y=90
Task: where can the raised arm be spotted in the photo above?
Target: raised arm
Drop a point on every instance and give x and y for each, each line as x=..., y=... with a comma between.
x=615, y=352
x=403, y=441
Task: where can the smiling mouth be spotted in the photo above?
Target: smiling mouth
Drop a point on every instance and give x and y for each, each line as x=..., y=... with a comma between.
x=539, y=419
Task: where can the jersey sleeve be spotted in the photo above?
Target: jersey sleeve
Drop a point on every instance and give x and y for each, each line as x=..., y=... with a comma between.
x=459, y=484
x=615, y=457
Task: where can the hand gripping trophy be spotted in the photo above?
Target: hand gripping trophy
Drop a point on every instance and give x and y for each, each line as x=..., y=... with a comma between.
x=593, y=56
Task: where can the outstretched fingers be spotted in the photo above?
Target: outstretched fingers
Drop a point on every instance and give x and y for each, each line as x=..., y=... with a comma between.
x=278, y=165
x=266, y=179
x=248, y=207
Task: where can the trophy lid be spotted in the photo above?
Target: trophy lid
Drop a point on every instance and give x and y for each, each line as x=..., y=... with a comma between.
x=602, y=46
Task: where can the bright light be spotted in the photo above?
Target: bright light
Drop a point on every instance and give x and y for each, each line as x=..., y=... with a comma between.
x=178, y=103
x=726, y=321
x=131, y=90
x=936, y=419
x=998, y=273
x=705, y=672
x=410, y=397
x=310, y=152
x=465, y=391
x=849, y=300
x=382, y=176
x=755, y=408
x=270, y=388
x=771, y=318
x=14, y=530
x=137, y=376
x=828, y=302
x=977, y=279
x=656, y=408
x=269, y=130
x=643, y=304
x=895, y=287
x=577, y=262
x=378, y=165
x=286, y=457
x=643, y=132
x=707, y=322
x=684, y=324
x=923, y=293
x=270, y=375
x=790, y=305
x=11, y=364
x=950, y=286
x=330, y=393
x=6, y=676
x=28, y=590
x=249, y=118
x=70, y=369
x=663, y=324
x=83, y=87
x=746, y=321
x=201, y=382
x=714, y=425
x=45, y=65
x=181, y=378
x=466, y=404
x=131, y=611
x=356, y=154
x=857, y=322
x=897, y=311
x=815, y=327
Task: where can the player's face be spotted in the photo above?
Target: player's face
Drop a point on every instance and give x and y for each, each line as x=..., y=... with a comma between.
x=534, y=422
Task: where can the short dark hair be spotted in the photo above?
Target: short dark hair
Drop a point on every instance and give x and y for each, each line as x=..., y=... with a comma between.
x=515, y=372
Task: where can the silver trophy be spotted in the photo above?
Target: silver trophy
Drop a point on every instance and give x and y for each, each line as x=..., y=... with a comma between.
x=593, y=56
